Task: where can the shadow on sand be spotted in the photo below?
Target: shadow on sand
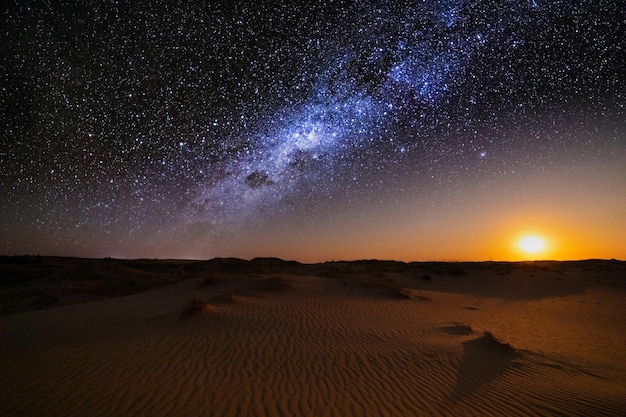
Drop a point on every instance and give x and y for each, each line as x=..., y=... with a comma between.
x=485, y=359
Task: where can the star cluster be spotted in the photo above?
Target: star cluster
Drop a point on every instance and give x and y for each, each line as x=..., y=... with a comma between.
x=143, y=125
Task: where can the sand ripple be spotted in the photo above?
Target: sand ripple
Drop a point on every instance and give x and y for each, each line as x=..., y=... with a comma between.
x=303, y=351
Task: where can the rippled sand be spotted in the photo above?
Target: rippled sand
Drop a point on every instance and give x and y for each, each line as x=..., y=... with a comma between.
x=280, y=344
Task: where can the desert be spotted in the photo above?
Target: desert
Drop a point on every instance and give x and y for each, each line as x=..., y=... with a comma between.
x=324, y=208
x=266, y=337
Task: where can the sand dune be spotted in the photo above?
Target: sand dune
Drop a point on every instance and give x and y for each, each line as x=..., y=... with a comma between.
x=329, y=342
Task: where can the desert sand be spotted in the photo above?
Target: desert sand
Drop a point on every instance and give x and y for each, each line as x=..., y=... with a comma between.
x=270, y=338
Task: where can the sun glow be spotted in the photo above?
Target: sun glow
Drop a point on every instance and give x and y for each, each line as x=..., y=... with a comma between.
x=531, y=244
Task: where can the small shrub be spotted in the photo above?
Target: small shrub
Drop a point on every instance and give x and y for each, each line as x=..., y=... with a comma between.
x=197, y=305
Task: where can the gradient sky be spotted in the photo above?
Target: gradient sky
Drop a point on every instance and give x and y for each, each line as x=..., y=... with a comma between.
x=426, y=130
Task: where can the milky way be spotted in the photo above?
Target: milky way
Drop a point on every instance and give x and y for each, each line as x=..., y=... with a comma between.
x=129, y=122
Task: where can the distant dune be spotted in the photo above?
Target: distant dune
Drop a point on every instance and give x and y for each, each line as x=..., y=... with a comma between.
x=266, y=337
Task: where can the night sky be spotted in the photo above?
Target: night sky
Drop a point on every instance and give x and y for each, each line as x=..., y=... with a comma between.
x=425, y=130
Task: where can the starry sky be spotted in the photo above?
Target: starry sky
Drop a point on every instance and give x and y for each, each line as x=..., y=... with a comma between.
x=423, y=130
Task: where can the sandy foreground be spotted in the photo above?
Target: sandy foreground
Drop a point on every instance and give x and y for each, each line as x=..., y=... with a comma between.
x=268, y=338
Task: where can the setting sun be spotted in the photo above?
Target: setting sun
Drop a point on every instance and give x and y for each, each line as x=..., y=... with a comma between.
x=531, y=244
